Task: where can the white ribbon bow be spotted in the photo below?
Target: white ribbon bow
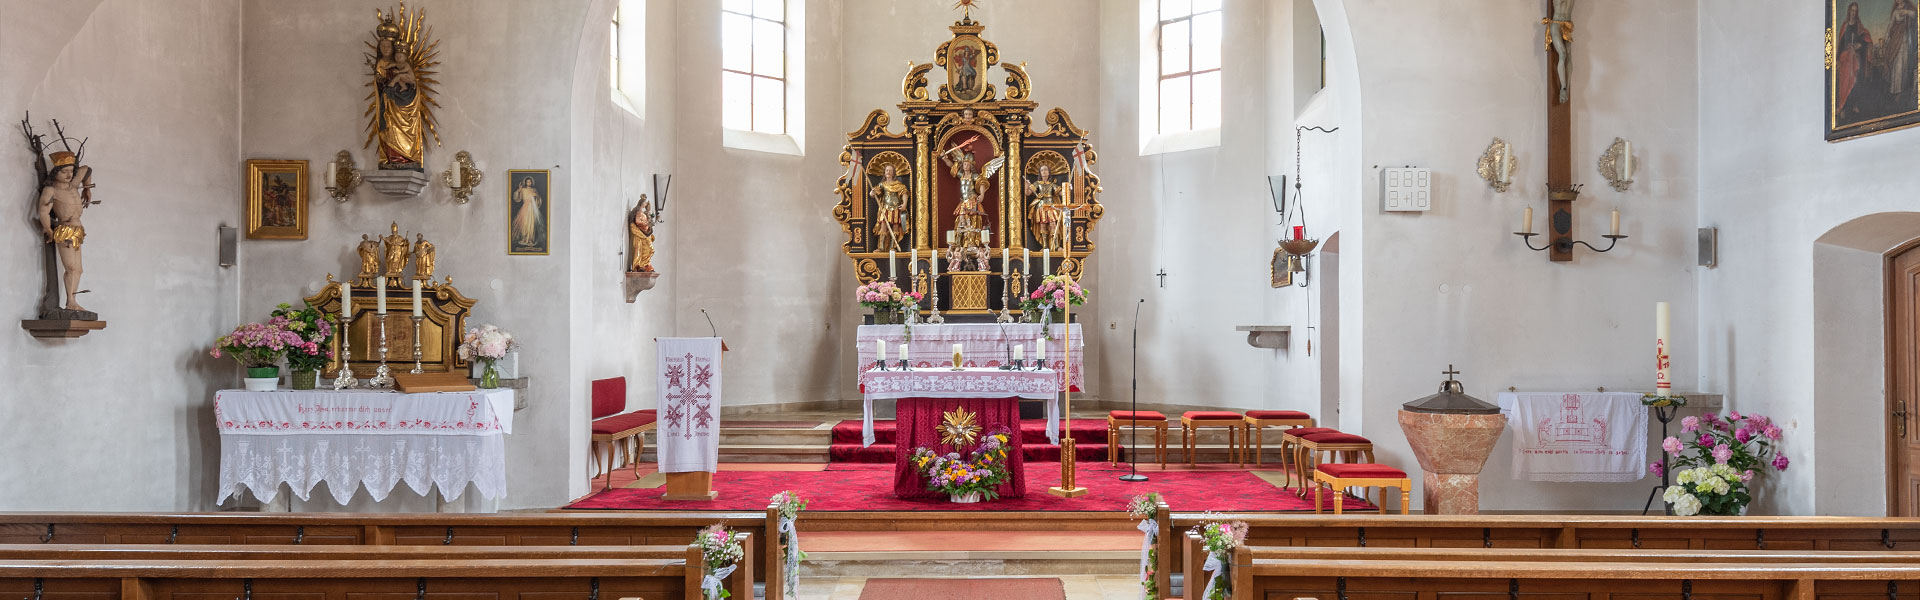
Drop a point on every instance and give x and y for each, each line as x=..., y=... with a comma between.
x=793, y=556
x=1218, y=564
x=1152, y=529
x=712, y=584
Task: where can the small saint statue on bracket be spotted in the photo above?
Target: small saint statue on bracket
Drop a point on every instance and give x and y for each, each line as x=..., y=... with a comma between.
x=640, y=238
x=66, y=190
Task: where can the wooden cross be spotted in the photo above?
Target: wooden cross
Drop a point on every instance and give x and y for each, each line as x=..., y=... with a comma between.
x=1561, y=191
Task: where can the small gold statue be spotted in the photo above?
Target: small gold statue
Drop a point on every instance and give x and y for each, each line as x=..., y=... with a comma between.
x=369, y=250
x=422, y=258
x=891, y=223
x=640, y=238
x=1046, y=220
x=401, y=104
x=396, y=246
x=968, y=217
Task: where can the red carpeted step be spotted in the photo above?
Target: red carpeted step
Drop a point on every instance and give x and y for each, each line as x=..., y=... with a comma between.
x=883, y=453
x=1032, y=431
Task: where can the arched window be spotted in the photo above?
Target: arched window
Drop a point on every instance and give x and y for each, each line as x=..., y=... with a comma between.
x=626, y=41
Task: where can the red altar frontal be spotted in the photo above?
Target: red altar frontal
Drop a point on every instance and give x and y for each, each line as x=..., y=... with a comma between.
x=919, y=420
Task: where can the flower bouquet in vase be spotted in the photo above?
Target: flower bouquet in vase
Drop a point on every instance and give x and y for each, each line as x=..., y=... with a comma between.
x=258, y=348
x=1715, y=466
x=1054, y=293
x=487, y=344
x=887, y=300
x=966, y=479
x=315, y=330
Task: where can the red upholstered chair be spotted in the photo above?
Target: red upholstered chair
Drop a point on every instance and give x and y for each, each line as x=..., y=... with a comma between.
x=1289, y=452
x=1259, y=420
x=1127, y=418
x=1194, y=420
x=611, y=427
x=1361, y=475
x=1336, y=446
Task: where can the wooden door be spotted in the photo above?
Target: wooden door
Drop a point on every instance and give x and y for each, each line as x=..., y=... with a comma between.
x=1903, y=382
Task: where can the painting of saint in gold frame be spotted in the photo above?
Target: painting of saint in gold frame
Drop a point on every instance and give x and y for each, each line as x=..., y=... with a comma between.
x=1873, y=67
x=276, y=199
x=528, y=207
x=967, y=68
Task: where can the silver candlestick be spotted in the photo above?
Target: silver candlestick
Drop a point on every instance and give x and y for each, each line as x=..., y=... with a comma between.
x=934, y=317
x=344, y=380
x=1006, y=286
x=416, y=345
x=382, y=376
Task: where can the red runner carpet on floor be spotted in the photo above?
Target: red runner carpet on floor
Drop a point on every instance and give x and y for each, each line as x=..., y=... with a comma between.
x=964, y=589
x=1089, y=436
x=868, y=487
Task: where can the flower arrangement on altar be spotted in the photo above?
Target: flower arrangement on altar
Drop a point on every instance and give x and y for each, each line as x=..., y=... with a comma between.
x=887, y=300
x=1719, y=464
x=258, y=347
x=488, y=344
x=1146, y=508
x=722, y=551
x=1054, y=292
x=315, y=329
x=969, y=479
x=1218, y=539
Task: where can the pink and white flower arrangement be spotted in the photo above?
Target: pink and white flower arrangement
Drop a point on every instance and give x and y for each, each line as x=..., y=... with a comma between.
x=1054, y=292
x=722, y=550
x=1712, y=472
x=258, y=345
x=487, y=343
x=315, y=329
x=1219, y=538
x=884, y=295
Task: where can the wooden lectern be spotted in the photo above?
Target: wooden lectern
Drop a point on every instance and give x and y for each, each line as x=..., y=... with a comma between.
x=696, y=485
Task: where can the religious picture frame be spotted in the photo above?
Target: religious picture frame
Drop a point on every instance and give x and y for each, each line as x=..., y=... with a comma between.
x=1279, y=270
x=528, y=210
x=1872, y=67
x=276, y=199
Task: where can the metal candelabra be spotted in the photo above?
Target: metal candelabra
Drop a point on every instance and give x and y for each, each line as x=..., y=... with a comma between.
x=344, y=379
x=416, y=345
x=1006, y=286
x=934, y=283
x=382, y=376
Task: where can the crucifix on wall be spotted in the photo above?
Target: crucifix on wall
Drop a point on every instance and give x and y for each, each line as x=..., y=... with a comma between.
x=1561, y=191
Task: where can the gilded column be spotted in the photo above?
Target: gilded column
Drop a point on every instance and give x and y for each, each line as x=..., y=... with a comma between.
x=1013, y=202
x=922, y=185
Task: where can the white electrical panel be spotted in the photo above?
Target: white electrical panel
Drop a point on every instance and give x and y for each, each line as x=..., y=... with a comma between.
x=1406, y=189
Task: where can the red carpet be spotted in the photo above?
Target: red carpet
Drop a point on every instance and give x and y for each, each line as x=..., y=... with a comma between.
x=963, y=589
x=1089, y=436
x=868, y=487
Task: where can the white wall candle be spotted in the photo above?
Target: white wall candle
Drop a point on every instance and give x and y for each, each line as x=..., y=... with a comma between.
x=346, y=301
x=1506, y=163
x=332, y=180
x=1526, y=221
x=417, y=310
x=1616, y=222
x=1662, y=377
x=459, y=174
x=1626, y=161
x=380, y=286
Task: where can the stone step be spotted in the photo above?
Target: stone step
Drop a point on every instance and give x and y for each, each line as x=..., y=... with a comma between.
x=965, y=563
x=761, y=453
x=763, y=436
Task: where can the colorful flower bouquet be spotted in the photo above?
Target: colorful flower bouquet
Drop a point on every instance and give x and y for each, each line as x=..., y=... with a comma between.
x=487, y=344
x=258, y=348
x=1728, y=453
x=722, y=551
x=969, y=479
x=788, y=505
x=1218, y=539
x=887, y=300
x=315, y=329
x=1055, y=291
x=1146, y=508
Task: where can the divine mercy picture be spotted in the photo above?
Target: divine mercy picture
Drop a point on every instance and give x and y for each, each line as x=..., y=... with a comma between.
x=527, y=217
x=1872, y=67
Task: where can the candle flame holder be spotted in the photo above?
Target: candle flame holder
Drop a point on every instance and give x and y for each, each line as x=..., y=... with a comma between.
x=344, y=379
x=382, y=375
x=416, y=345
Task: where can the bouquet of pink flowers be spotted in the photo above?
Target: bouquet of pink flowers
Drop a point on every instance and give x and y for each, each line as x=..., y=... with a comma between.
x=258, y=345
x=487, y=343
x=315, y=330
x=1726, y=455
x=884, y=295
x=1219, y=538
x=980, y=471
x=1055, y=291
x=722, y=550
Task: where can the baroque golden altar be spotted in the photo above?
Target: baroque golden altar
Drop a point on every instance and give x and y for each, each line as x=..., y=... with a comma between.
x=967, y=180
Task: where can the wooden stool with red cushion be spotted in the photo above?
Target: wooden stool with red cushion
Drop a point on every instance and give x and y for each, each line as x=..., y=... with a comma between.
x=1339, y=447
x=611, y=427
x=1341, y=476
x=1259, y=420
x=1127, y=418
x=1193, y=421
x=1290, y=447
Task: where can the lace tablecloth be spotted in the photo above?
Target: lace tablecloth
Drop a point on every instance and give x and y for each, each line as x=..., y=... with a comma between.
x=966, y=383
x=981, y=344
x=351, y=438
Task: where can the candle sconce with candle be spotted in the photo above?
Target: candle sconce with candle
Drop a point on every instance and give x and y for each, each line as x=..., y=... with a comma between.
x=1496, y=165
x=342, y=176
x=1616, y=164
x=462, y=177
x=1560, y=224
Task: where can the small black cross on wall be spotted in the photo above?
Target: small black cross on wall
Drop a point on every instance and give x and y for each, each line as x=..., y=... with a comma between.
x=1163, y=277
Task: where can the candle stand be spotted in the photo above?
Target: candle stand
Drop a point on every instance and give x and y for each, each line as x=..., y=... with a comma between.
x=1665, y=414
x=416, y=345
x=934, y=317
x=1067, y=488
x=382, y=376
x=1006, y=288
x=344, y=379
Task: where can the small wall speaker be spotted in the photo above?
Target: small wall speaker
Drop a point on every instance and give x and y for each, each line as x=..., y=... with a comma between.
x=1709, y=246
x=229, y=246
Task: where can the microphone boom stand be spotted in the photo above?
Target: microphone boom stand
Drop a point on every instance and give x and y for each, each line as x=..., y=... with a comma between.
x=1133, y=458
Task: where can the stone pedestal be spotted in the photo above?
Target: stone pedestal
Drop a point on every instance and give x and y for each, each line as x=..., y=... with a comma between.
x=1451, y=449
x=401, y=184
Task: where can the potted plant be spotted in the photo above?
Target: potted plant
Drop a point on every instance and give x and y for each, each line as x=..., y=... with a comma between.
x=315, y=330
x=1054, y=292
x=258, y=348
x=970, y=479
x=487, y=344
x=1719, y=463
x=887, y=300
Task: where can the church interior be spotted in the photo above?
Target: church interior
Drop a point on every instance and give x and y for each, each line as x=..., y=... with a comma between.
x=883, y=299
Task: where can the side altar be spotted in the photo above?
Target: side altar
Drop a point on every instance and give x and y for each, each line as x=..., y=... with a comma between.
x=958, y=204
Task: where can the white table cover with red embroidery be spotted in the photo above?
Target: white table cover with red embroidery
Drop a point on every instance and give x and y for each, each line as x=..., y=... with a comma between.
x=964, y=383
x=351, y=438
x=981, y=345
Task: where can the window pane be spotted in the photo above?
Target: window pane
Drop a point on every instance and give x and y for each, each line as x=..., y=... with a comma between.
x=1206, y=41
x=1173, y=9
x=744, y=7
x=736, y=99
x=769, y=105
x=1206, y=100
x=1200, y=6
x=770, y=9
x=736, y=42
x=1173, y=48
x=613, y=40
x=1174, y=104
x=769, y=48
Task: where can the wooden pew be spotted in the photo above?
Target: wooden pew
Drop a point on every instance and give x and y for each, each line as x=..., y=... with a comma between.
x=1376, y=579
x=658, y=578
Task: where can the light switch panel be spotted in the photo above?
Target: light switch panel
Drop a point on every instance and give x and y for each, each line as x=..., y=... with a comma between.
x=1406, y=189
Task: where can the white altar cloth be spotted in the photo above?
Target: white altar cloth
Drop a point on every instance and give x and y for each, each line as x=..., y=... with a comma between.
x=350, y=438
x=981, y=345
x=966, y=383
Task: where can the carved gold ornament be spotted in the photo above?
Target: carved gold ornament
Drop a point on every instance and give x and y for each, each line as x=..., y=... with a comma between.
x=1496, y=165
x=959, y=428
x=1830, y=49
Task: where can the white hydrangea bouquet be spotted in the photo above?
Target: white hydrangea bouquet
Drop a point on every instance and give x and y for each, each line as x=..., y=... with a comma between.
x=487, y=344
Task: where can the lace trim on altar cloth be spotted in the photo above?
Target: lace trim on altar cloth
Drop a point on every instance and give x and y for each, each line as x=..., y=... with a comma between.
x=260, y=463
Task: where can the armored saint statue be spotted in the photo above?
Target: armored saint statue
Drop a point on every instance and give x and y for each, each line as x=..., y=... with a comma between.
x=640, y=238
x=369, y=250
x=63, y=196
x=891, y=195
x=422, y=257
x=1559, y=35
x=969, y=217
x=397, y=250
x=1046, y=217
x=401, y=103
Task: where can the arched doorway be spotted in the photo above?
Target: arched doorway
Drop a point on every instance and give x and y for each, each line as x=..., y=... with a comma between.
x=1862, y=373
x=1903, y=380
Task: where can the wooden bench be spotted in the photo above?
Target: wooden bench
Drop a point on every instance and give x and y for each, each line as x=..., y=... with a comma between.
x=352, y=579
x=1374, y=579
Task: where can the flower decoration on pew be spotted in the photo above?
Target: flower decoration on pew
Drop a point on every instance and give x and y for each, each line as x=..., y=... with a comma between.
x=1714, y=470
x=966, y=479
x=788, y=504
x=1218, y=539
x=1146, y=508
x=722, y=551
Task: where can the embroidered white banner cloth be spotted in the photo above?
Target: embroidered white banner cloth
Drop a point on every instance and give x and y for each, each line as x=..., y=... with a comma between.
x=355, y=438
x=967, y=383
x=981, y=345
x=1568, y=437
x=688, y=383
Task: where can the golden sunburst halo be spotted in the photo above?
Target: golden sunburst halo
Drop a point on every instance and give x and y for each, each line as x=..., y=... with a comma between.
x=958, y=428
x=966, y=7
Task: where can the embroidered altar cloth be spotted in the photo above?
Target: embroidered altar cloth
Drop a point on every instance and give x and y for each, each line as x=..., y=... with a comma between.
x=1577, y=437
x=981, y=345
x=966, y=383
x=354, y=438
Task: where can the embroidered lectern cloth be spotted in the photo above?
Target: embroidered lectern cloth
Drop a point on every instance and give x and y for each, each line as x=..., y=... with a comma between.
x=689, y=387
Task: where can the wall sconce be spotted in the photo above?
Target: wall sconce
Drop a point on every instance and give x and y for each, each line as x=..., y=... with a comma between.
x=1496, y=165
x=342, y=177
x=462, y=177
x=660, y=197
x=1616, y=164
x=1561, y=222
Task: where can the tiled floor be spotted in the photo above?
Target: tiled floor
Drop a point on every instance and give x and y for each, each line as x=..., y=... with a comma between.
x=1079, y=587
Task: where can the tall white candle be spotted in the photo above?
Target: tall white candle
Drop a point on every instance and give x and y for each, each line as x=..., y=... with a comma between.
x=1046, y=261
x=1026, y=259
x=933, y=261
x=1662, y=345
x=346, y=301
x=891, y=260
x=1006, y=266
x=380, y=286
x=1526, y=221
x=1616, y=222
x=417, y=311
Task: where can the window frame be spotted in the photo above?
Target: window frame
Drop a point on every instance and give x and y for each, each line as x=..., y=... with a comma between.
x=786, y=66
x=1152, y=138
x=627, y=51
x=1190, y=75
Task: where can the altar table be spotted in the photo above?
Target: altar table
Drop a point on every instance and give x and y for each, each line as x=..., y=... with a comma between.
x=915, y=427
x=349, y=438
x=981, y=345
x=1043, y=384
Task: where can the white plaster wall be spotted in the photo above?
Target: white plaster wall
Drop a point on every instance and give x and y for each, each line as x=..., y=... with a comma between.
x=1773, y=186
x=1453, y=286
x=120, y=419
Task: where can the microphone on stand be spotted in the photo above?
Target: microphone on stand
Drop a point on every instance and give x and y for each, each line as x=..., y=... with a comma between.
x=716, y=330
x=1133, y=460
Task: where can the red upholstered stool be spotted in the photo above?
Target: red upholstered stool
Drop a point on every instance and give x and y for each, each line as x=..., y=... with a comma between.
x=1145, y=418
x=1339, y=447
x=611, y=427
x=1290, y=447
x=1361, y=475
x=1259, y=420
x=1193, y=421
